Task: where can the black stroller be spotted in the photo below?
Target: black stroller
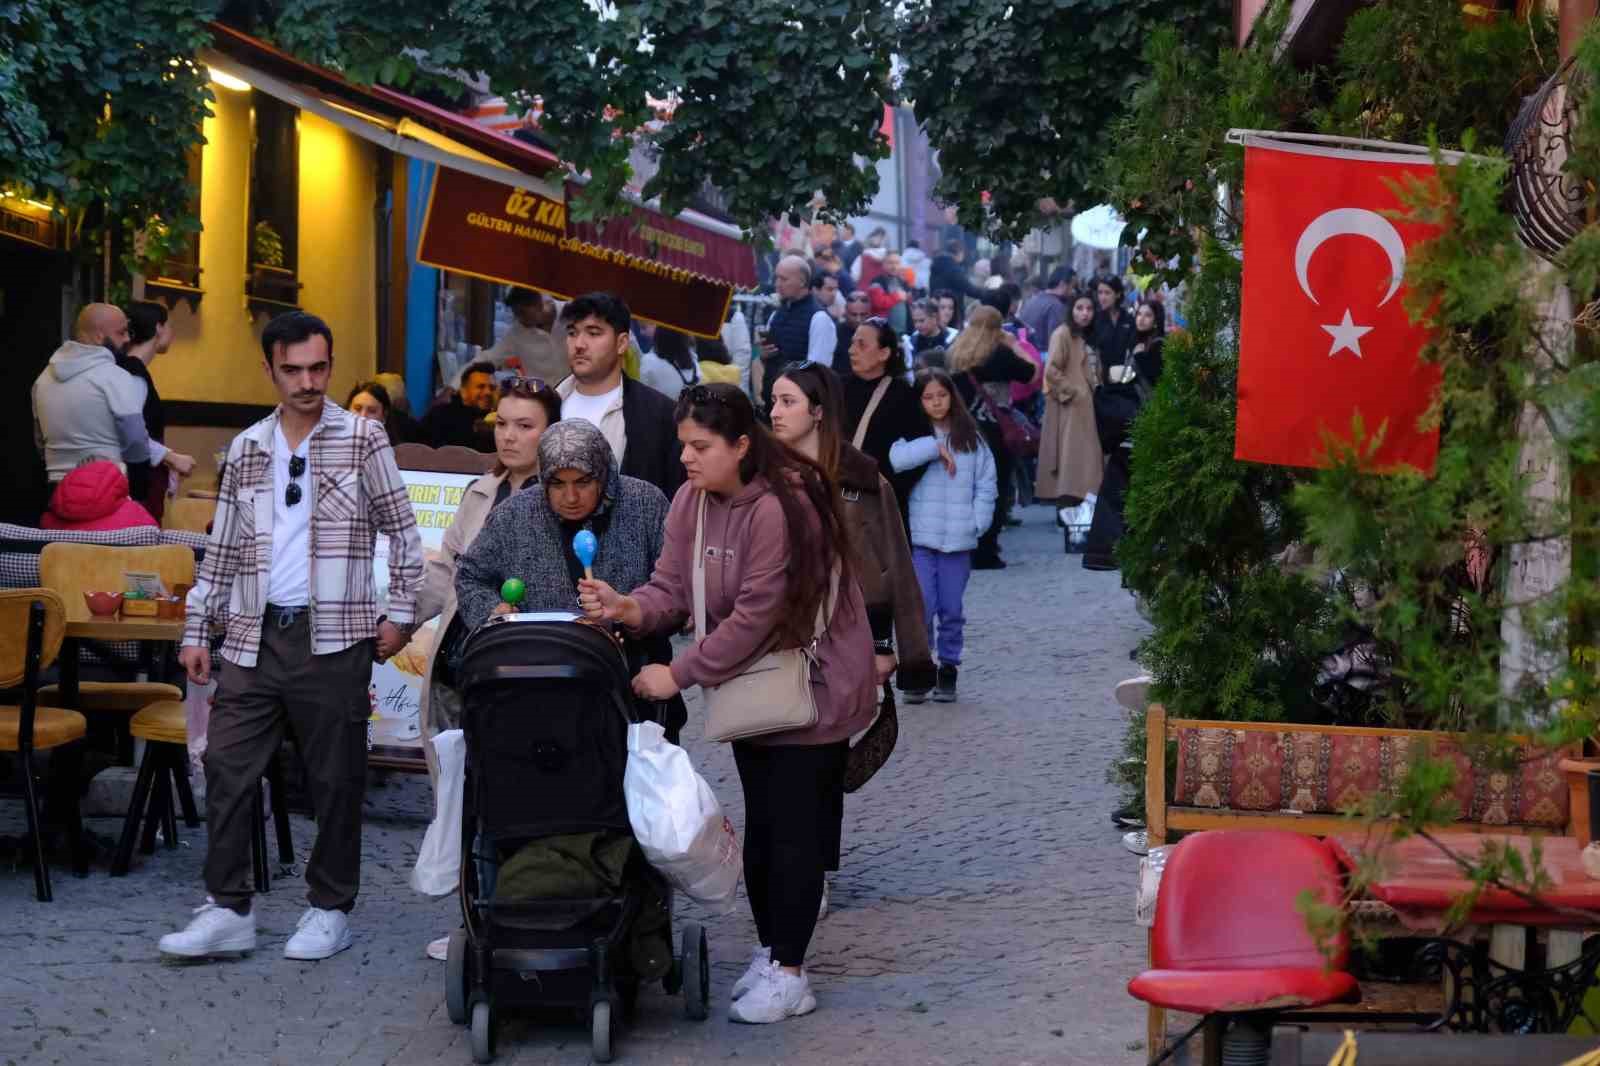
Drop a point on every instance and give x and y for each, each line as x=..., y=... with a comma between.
x=546, y=706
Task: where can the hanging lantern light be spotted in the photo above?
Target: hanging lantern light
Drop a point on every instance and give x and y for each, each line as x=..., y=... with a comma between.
x=1547, y=202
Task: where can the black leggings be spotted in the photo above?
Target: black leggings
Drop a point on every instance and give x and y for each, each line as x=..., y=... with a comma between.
x=793, y=806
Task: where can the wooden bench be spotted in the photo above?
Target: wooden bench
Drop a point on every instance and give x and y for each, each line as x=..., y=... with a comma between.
x=1276, y=775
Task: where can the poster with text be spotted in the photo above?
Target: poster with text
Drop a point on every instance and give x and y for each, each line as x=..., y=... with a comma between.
x=396, y=688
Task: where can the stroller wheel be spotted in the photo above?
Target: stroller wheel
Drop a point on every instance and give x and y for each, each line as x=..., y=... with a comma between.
x=482, y=1032
x=455, y=979
x=600, y=1031
x=696, y=967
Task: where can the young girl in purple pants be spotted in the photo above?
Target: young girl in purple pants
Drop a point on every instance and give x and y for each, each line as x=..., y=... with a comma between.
x=951, y=506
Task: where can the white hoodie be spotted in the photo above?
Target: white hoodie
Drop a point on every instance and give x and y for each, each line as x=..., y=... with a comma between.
x=87, y=407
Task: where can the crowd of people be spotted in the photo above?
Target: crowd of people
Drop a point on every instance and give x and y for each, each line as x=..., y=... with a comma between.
x=845, y=473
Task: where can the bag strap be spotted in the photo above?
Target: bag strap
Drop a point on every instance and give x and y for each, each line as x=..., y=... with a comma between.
x=872, y=409
x=699, y=581
x=983, y=396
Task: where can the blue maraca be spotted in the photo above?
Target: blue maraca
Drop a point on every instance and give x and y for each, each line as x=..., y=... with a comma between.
x=584, y=546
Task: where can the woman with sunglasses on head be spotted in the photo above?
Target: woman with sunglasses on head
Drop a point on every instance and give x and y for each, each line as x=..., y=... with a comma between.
x=762, y=524
x=526, y=409
x=879, y=407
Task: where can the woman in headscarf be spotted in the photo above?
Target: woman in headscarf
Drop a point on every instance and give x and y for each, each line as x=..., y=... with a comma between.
x=530, y=537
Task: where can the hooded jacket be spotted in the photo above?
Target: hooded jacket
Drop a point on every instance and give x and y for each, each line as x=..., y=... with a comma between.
x=87, y=407
x=94, y=497
x=746, y=553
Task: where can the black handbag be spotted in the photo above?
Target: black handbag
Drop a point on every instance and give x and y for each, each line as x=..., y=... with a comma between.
x=1116, y=405
x=868, y=754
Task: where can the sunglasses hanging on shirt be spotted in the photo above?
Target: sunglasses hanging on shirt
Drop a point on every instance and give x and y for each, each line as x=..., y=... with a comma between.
x=292, y=494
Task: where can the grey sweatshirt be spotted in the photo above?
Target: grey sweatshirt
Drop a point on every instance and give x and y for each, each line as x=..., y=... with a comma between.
x=87, y=407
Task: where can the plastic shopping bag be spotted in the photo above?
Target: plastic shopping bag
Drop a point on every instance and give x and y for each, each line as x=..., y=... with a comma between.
x=1150, y=869
x=439, y=859
x=677, y=820
x=197, y=701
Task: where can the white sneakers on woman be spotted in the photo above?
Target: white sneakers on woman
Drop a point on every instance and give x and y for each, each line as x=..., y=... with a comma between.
x=775, y=995
x=760, y=962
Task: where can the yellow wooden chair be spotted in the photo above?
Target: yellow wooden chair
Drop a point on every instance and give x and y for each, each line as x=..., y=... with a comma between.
x=32, y=624
x=188, y=513
x=73, y=569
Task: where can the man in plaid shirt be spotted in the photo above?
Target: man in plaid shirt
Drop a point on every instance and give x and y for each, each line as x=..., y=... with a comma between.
x=287, y=576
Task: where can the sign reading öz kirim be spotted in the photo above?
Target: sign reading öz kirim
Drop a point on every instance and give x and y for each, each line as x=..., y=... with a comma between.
x=489, y=230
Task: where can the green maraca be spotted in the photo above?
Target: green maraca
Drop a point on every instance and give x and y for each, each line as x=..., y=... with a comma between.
x=513, y=590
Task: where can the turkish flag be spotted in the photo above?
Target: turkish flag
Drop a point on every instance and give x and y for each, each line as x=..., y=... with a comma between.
x=1323, y=333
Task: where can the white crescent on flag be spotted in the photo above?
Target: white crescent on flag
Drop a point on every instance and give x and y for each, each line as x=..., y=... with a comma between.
x=1359, y=222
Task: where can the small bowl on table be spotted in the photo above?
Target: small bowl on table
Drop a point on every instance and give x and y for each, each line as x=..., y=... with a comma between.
x=103, y=604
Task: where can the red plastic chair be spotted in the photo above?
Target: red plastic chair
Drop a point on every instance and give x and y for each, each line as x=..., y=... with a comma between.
x=1229, y=944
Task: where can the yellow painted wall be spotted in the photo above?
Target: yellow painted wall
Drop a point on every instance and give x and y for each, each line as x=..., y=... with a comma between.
x=216, y=353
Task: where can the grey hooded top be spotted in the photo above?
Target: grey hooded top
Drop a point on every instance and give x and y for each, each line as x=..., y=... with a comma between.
x=525, y=538
x=85, y=406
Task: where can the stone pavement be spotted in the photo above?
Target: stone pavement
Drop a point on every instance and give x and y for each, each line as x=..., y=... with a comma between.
x=983, y=913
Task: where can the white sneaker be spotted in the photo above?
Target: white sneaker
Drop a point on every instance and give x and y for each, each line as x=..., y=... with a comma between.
x=439, y=950
x=775, y=996
x=822, y=908
x=213, y=930
x=319, y=935
x=760, y=963
x=1137, y=841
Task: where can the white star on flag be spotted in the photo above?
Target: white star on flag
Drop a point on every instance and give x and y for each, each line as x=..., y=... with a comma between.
x=1346, y=335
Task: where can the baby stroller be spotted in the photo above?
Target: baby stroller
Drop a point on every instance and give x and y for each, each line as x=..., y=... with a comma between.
x=560, y=908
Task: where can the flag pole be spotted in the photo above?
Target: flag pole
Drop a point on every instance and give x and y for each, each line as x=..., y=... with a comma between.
x=1252, y=137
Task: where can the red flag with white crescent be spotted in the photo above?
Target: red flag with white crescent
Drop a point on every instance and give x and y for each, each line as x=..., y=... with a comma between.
x=1323, y=333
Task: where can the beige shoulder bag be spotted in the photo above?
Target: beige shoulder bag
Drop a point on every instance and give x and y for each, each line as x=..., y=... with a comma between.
x=772, y=694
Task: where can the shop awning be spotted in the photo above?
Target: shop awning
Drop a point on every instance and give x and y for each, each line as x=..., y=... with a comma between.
x=473, y=227
x=393, y=120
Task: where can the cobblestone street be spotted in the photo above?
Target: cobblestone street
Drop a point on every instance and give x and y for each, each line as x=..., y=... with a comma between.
x=984, y=912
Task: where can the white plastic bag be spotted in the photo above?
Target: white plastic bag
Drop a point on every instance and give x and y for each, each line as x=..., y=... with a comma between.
x=439, y=859
x=1144, y=902
x=197, y=701
x=677, y=820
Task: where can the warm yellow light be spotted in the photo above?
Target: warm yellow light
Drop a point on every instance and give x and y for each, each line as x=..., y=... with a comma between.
x=228, y=81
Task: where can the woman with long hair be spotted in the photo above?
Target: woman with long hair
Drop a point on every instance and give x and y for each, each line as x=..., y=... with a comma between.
x=1070, y=460
x=772, y=538
x=878, y=406
x=983, y=362
x=527, y=408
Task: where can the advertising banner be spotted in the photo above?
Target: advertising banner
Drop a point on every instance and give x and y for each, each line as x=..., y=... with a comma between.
x=482, y=228
x=396, y=688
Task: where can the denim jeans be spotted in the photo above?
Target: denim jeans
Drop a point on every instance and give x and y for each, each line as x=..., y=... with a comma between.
x=943, y=577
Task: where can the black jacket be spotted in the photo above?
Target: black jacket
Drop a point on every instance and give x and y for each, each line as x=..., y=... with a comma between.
x=899, y=417
x=653, y=453
x=456, y=423
x=945, y=273
x=1111, y=340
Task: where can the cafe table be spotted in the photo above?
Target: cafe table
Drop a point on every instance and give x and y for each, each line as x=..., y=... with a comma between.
x=1495, y=989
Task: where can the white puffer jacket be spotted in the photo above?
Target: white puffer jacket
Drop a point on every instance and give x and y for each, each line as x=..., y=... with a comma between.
x=948, y=513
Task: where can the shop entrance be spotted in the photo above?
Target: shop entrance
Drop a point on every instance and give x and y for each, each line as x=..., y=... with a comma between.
x=32, y=283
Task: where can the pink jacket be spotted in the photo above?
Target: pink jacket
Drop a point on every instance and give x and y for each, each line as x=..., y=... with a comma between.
x=94, y=497
x=746, y=549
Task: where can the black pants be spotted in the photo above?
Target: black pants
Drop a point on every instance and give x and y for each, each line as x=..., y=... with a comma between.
x=793, y=806
x=1107, y=526
x=1005, y=475
x=323, y=698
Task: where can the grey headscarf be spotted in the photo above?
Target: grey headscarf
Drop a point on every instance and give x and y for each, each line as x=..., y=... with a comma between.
x=578, y=444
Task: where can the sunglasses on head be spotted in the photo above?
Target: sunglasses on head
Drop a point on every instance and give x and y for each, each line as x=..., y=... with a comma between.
x=519, y=384
x=704, y=394
x=292, y=495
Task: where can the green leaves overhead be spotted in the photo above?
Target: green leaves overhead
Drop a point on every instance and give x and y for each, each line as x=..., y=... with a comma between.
x=100, y=101
x=1019, y=98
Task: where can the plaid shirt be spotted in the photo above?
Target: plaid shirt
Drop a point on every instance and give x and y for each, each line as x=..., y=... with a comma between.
x=355, y=492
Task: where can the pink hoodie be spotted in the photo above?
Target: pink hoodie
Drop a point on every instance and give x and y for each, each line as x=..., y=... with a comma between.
x=94, y=497
x=747, y=548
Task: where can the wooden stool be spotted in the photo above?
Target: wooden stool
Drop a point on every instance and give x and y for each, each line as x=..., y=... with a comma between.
x=164, y=772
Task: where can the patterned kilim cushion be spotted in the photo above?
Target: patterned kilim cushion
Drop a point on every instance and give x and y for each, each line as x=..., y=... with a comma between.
x=1332, y=771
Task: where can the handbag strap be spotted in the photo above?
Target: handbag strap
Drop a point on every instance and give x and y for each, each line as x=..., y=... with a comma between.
x=825, y=609
x=872, y=409
x=983, y=396
x=699, y=580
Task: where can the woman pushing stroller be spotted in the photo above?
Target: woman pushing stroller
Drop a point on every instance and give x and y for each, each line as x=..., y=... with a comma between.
x=772, y=536
x=529, y=537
